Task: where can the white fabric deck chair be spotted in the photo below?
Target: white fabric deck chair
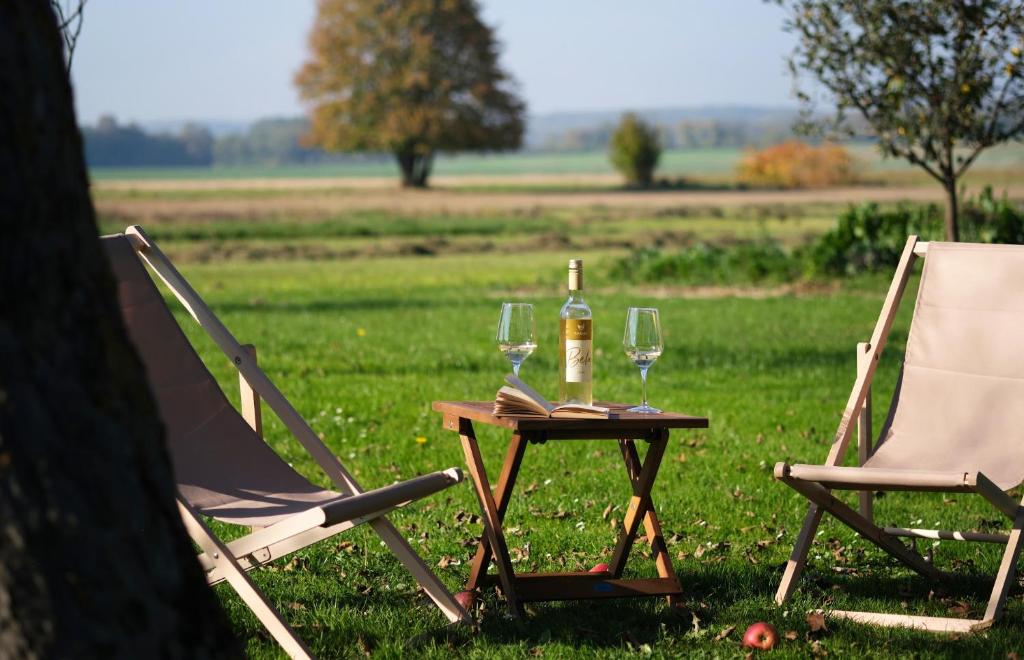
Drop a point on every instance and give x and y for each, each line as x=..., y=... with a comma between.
x=956, y=423
x=224, y=469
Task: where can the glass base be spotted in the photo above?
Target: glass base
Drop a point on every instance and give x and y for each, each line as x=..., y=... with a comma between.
x=644, y=409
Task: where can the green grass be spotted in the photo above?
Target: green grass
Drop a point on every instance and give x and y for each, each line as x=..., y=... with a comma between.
x=363, y=346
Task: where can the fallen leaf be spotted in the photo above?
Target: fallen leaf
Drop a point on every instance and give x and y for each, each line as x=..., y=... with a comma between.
x=816, y=621
x=725, y=633
x=791, y=635
x=607, y=511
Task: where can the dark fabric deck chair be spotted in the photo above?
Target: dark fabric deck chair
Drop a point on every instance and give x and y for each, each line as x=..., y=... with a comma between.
x=225, y=470
x=956, y=422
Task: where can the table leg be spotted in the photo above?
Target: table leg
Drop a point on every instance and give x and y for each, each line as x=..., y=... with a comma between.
x=651, y=524
x=489, y=511
x=640, y=502
x=502, y=495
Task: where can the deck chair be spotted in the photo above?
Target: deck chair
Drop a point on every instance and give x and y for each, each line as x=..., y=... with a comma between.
x=956, y=422
x=225, y=471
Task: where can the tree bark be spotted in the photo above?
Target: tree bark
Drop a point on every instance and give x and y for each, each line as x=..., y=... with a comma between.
x=94, y=560
x=415, y=167
x=952, y=218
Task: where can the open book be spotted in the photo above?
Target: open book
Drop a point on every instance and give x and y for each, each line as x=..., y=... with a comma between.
x=521, y=400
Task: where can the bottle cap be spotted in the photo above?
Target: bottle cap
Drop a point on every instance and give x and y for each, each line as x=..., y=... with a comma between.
x=575, y=274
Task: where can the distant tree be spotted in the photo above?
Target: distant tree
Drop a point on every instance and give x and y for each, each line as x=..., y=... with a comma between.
x=110, y=144
x=409, y=77
x=937, y=81
x=94, y=560
x=635, y=150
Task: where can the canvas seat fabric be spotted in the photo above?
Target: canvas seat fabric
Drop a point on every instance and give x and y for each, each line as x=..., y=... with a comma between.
x=223, y=468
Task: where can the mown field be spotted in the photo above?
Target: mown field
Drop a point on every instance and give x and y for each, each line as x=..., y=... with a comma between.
x=364, y=316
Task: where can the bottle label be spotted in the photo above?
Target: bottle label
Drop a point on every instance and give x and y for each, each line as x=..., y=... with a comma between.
x=578, y=342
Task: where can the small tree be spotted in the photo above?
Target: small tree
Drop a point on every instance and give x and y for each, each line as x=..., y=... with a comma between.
x=410, y=77
x=635, y=150
x=937, y=81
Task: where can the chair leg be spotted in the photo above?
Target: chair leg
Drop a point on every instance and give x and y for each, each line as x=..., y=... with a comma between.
x=425, y=577
x=823, y=498
x=247, y=591
x=1007, y=569
x=798, y=558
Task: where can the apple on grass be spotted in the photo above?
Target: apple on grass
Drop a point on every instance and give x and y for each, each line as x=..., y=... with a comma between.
x=600, y=568
x=466, y=599
x=760, y=635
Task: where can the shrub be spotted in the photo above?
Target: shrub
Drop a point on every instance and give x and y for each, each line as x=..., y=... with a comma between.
x=868, y=238
x=796, y=164
x=635, y=150
x=744, y=263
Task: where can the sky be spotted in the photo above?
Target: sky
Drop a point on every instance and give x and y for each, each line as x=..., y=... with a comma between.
x=234, y=60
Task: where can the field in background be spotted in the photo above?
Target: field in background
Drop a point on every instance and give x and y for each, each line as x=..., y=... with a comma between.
x=714, y=164
x=367, y=302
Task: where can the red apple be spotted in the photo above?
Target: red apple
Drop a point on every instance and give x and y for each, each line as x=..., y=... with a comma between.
x=760, y=635
x=600, y=568
x=467, y=599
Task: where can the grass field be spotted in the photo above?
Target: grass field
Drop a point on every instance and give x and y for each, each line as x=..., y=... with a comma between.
x=367, y=303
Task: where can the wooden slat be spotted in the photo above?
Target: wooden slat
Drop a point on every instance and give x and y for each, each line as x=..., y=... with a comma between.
x=929, y=623
x=638, y=505
x=994, y=494
x=489, y=511
x=1007, y=568
x=252, y=412
x=864, y=433
x=502, y=496
x=945, y=535
x=878, y=340
x=652, y=526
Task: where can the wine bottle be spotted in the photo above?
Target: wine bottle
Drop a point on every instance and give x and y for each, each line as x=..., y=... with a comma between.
x=575, y=342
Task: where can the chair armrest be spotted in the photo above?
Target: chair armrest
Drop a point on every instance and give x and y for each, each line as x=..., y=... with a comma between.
x=373, y=501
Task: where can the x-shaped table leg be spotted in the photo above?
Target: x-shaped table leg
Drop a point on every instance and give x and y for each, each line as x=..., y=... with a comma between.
x=502, y=495
x=491, y=517
x=641, y=509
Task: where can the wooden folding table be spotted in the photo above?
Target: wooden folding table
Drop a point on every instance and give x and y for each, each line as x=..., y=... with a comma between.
x=622, y=426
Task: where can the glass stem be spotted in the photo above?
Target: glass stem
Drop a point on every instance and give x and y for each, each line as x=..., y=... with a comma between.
x=643, y=384
x=515, y=367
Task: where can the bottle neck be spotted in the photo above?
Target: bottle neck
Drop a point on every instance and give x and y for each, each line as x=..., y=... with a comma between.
x=575, y=295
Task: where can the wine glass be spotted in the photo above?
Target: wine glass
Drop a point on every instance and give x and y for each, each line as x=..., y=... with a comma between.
x=643, y=345
x=517, y=333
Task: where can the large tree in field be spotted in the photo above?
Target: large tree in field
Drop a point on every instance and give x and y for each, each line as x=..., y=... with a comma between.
x=94, y=561
x=937, y=81
x=409, y=77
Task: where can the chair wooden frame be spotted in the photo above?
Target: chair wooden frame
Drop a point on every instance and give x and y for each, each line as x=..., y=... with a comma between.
x=231, y=561
x=816, y=484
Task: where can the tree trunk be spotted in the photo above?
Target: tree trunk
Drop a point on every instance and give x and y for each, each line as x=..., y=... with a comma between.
x=415, y=167
x=94, y=560
x=952, y=220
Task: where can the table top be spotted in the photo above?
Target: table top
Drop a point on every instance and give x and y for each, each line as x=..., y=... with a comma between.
x=618, y=420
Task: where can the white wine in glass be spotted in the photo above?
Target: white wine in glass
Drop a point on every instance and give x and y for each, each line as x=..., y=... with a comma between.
x=517, y=333
x=643, y=345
